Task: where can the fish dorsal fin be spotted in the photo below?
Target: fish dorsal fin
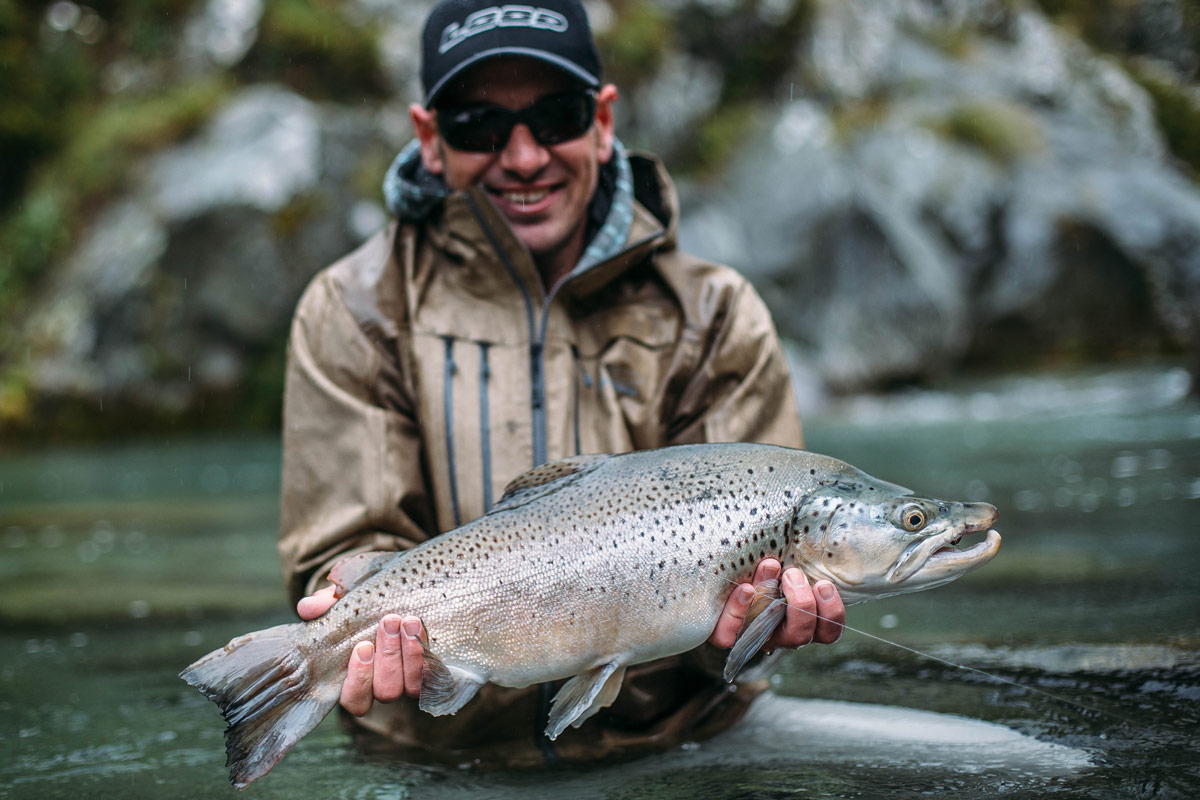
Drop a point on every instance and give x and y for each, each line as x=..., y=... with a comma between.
x=546, y=478
x=353, y=570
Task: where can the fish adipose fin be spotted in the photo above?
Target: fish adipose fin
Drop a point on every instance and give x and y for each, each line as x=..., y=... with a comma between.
x=351, y=571
x=544, y=479
x=584, y=695
x=767, y=609
x=444, y=688
x=269, y=694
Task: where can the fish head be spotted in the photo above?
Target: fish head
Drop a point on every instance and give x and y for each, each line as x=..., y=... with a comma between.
x=874, y=546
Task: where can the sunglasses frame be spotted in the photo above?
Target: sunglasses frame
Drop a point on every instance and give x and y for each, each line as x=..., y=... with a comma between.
x=511, y=118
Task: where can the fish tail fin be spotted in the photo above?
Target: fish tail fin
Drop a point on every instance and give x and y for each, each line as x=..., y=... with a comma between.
x=269, y=693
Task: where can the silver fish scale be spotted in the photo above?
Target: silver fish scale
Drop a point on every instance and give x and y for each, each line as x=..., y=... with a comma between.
x=629, y=559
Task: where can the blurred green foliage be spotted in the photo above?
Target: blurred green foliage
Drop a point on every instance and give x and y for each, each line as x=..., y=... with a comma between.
x=632, y=48
x=92, y=164
x=312, y=47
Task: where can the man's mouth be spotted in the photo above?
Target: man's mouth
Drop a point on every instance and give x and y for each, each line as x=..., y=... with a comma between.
x=524, y=198
x=524, y=201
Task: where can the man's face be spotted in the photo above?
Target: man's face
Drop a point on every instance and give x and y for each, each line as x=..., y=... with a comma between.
x=542, y=190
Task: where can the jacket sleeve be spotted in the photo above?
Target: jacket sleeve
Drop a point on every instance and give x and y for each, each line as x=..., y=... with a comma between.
x=352, y=465
x=740, y=389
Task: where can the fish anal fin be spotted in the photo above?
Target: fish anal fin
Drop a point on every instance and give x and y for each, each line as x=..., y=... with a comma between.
x=445, y=688
x=767, y=609
x=353, y=570
x=538, y=480
x=575, y=701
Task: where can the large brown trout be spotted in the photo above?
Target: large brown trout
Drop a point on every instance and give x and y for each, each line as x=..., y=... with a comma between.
x=586, y=566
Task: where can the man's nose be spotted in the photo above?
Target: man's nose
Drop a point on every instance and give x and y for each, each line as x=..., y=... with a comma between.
x=522, y=155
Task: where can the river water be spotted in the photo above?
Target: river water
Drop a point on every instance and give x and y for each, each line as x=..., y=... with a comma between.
x=1069, y=665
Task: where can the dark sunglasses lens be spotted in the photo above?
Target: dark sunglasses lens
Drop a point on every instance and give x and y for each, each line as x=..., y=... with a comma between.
x=475, y=128
x=561, y=118
x=485, y=128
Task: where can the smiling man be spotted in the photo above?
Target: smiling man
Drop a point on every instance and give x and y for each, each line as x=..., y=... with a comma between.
x=527, y=303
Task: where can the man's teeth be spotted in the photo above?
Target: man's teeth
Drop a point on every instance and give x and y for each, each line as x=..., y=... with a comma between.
x=524, y=198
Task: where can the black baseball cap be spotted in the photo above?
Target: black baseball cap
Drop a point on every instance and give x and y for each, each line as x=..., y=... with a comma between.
x=461, y=33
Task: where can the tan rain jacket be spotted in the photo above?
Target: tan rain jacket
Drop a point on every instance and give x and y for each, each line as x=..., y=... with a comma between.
x=428, y=369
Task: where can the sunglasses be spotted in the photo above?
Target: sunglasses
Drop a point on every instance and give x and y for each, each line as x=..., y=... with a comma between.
x=484, y=128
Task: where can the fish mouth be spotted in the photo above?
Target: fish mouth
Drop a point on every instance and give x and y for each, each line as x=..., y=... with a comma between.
x=939, y=557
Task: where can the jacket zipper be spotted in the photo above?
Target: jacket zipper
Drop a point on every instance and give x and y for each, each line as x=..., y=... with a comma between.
x=537, y=379
x=580, y=377
x=448, y=412
x=485, y=425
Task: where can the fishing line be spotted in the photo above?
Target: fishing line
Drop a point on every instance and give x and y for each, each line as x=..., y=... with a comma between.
x=986, y=674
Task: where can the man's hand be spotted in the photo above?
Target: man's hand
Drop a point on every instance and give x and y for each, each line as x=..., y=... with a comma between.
x=385, y=670
x=814, y=614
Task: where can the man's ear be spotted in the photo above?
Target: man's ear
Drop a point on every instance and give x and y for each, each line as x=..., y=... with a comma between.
x=425, y=125
x=604, y=122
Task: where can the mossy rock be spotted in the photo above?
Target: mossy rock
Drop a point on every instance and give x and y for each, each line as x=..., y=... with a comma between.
x=1176, y=109
x=1003, y=131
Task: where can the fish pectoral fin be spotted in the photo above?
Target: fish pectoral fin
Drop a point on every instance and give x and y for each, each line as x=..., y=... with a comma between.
x=353, y=570
x=445, y=688
x=767, y=609
x=576, y=700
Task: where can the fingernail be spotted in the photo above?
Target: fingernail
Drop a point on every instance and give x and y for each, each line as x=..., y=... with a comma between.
x=770, y=571
x=391, y=626
x=825, y=589
x=412, y=627
x=795, y=577
x=365, y=652
x=745, y=592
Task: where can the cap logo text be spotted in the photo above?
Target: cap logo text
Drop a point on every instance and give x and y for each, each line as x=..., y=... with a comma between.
x=511, y=16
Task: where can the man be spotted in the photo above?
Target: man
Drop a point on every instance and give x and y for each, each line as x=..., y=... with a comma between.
x=527, y=304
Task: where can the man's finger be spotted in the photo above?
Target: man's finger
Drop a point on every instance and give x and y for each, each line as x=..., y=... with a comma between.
x=411, y=637
x=800, y=622
x=831, y=612
x=316, y=603
x=356, y=688
x=730, y=621
x=388, y=680
x=767, y=570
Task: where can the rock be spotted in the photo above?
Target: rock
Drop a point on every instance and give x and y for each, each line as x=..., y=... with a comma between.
x=220, y=33
x=261, y=150
x=179, y=285
x=956, y=180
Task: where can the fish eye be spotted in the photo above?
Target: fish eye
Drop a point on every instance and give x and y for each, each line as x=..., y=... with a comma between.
x=912, y=518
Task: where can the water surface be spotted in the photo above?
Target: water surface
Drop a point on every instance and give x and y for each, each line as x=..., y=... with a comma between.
x=121, y=564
